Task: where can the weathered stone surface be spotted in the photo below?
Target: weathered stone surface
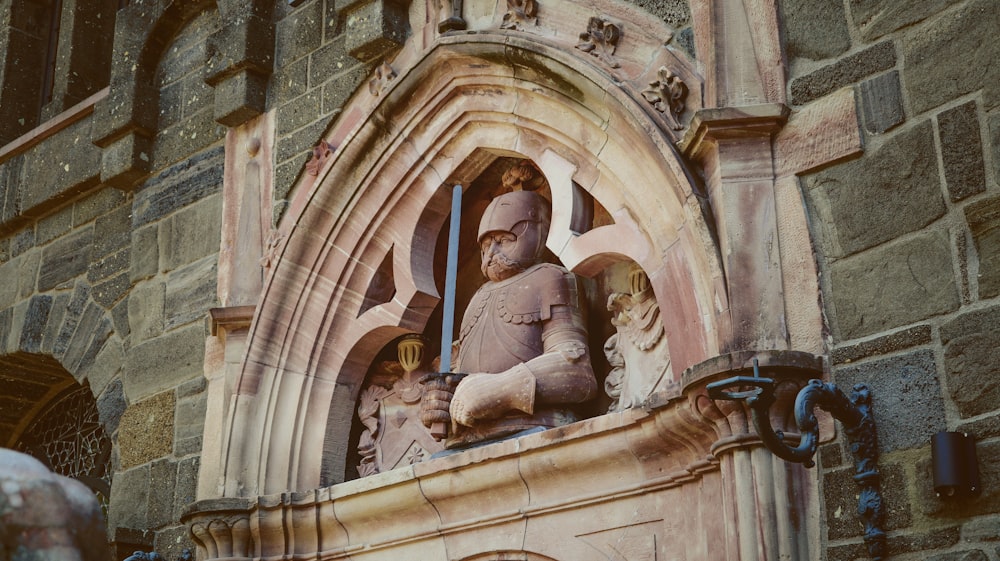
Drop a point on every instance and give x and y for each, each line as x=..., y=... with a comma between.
x=375, y=27
x=337, y=91
x=111, y=291
x=968, y=555
x=919, y=335
x=190, y=292
x=994, y=125
x=882, y=103
x=112, y=231
x=106, y=365
x=962, y=151
x=192, y=388
x=187, y=484
x=74, y=311
x=35, y=321
x=981, y=529
x=841, y=493
x=79, y=342
x=129, y=493
x=190, y=417
x=239, y=98
x=291, y=80
x=111, y=405
x=830, y=455
x=145, y=253
x=299, y=112
x=894, y=285
x=906, y=397
x=165, y=361
x=108, y=266
x=64, y=165
x=146, y=430
x=847, y=70
x=172, y=541
x=162, y=482
x=100, y=202
x=987, y=427
x=933, y=76
x=178, y=186
x=145, y=311
x=300, y=143
x=893, y=190
x=298, y=34
x=191, y=234
x=22, y=241
x=194, y=133
x=54, y=225
x=676, y=13
x=814, y=30
x=56, y=315
x=971, y=354
x=28, y=271
x=65, y=259
x=983, y=217
x=879, y=17
x=898, y=544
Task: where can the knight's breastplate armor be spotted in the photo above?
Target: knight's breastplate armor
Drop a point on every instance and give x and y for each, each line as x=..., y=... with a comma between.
x=502, y=328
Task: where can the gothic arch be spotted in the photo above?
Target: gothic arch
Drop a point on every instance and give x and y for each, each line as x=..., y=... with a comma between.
x=467, y=100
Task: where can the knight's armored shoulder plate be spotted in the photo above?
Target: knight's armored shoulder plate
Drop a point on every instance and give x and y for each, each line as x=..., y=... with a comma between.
x=536, y=291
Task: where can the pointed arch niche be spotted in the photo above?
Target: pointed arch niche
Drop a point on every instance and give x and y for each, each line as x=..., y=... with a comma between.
x=377, y=207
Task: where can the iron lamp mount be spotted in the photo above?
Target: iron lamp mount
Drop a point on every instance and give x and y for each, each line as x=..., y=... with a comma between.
x=854, y=413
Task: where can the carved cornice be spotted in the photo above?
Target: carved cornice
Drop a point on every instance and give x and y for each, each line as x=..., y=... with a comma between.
x=672, y=441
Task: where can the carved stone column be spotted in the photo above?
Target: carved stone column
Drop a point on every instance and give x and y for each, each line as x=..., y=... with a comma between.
x=765, y=498
x=736, y=150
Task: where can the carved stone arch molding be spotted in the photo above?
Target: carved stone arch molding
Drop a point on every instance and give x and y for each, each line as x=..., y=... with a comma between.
x=465, y=101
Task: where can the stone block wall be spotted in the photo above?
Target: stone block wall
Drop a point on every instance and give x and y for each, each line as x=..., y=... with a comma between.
x=125, y=270
x=905, y=241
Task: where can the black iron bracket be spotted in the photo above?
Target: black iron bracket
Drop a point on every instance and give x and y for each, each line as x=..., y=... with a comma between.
x=854, y=413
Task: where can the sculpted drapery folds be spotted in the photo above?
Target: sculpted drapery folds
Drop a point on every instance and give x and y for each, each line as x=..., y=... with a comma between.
x=522, y=341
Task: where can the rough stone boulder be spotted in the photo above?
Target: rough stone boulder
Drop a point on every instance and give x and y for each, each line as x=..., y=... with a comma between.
x=46, y=516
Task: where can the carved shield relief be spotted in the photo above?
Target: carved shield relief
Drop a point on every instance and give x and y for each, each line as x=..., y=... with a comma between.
x=389, y=409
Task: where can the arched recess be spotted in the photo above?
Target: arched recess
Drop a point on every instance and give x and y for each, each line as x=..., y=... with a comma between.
x=468, y=100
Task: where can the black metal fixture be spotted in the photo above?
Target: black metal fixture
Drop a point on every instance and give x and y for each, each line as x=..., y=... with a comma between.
x=855, y=415
x=956, y=468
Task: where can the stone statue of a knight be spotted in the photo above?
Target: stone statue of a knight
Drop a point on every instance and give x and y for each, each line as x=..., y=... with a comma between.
x=522, y=341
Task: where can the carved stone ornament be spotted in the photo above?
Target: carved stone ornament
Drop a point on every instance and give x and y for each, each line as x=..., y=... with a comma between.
x=321, y=153
x=384, y=75
x=637, y=352
x=519, y=12
x=668, y=94
x=389, y=409
x=601, y=40
x=523, y=177
x=271, y=246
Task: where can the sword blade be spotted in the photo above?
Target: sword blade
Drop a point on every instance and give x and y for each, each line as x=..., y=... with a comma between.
x=448, y=317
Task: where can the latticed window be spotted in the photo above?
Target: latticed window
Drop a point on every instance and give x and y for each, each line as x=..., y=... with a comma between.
x=68, y=437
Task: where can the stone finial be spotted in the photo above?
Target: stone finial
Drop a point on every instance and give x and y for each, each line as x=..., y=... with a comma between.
x=320, y=154
x=523, y=176
x=384, y=75
x=601, y=40
x=519, y=12
x=668, y=94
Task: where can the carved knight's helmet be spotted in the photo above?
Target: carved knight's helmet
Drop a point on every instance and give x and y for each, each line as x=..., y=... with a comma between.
x=525, y=214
